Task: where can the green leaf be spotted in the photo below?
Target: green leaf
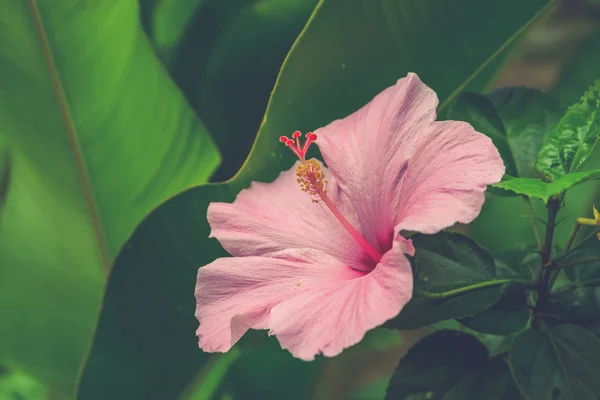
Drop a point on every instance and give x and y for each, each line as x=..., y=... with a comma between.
x=493, y=382
x=436, y=363
x=528, y=115
x=509, y=315
x=99, y=136
x=496, y=344
x=4, y=174
x=227, y=64
x=581, y=72
x=479, y=111
x=536, y=188
x=579, y=301
x=520, y=263
x=516, y=119
x=18, y=386
x=586, y=271
x=569, y=145
x=268, y=373
x=449, y=260
x=169, y=20
x=211, y=377
x=327, y=75
x=445, y=262
x=558, y=364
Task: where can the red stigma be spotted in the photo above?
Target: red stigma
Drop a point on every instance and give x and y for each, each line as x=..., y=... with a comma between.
x=299, y=150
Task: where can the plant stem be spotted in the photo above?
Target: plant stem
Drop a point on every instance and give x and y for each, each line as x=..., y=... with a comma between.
x=580, y=244
x=553, y=207
x=466, y=289
x=536, y=233
x=572, y=237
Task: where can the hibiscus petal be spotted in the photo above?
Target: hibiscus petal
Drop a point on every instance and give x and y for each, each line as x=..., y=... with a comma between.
x=329, y=315
x=237, y=293
x=271, y=217
x=367, y=152
x=446, y=178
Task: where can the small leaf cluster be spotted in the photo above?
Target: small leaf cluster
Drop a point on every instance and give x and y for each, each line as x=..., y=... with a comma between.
x=527, y=321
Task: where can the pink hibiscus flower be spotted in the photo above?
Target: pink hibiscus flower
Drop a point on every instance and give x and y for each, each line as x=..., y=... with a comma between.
x=319, y=256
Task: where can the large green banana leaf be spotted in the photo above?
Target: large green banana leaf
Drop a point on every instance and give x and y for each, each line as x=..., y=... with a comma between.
x=98, y=136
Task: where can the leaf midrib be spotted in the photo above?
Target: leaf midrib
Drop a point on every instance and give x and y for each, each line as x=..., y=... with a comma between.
x=70, y=131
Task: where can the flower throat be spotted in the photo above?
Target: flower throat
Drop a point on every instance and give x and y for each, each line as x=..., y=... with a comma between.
x=311, y=178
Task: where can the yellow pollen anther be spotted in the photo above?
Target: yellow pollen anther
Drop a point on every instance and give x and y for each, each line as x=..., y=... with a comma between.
x=311, y=178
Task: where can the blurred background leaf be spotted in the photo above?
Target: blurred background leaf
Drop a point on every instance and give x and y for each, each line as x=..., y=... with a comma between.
x=98, y=136
x=167, y=21
x=19, y=386
x=147, y=322
x=227, y=64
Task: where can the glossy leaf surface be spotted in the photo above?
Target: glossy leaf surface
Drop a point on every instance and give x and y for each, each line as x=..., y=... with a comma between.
x=445, y=262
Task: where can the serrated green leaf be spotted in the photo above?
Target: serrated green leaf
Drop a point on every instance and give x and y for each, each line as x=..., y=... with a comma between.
x=327, y=75
x=558, y=364
x=536, y=188
x=569, y=145
x=99, y=136
x=444, y=262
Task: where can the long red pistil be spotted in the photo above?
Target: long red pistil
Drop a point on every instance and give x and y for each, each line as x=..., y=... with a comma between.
x=312, y=180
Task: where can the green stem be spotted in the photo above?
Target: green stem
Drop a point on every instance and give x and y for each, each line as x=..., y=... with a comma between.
x=580, y=244
x=536, y=233
x=553, y=207
x=466, y=289
x=572, y=237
